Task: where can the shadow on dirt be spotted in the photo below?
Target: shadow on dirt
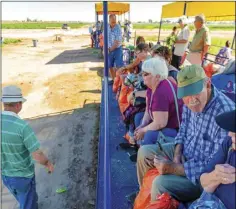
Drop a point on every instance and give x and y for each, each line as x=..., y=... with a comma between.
x=76, y=56
x=70, y=139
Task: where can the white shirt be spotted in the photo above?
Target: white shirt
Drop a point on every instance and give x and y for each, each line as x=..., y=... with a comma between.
x=181, y=47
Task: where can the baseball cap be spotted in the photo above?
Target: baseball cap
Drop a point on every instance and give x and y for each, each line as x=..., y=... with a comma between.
x=227, y=121
x=190, y=80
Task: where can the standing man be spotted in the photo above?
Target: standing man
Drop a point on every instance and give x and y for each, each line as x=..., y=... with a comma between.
x=19, y=147
x=115, y=56
x=200, y=43
x=181, y=43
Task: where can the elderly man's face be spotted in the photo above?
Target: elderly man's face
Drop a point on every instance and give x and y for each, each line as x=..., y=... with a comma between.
x=112, y=21
x=197, y=24
x=196, y=103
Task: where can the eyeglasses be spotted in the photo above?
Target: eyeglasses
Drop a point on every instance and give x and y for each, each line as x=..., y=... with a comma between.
x=145, y=74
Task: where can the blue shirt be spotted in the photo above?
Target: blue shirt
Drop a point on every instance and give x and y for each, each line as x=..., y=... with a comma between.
x=225, y=192
x=114, y=34
x=200, y=136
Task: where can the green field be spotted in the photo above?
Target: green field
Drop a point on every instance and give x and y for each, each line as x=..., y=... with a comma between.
x=8, y=41
x=191, y=27
x=216, y=43
x=38, y=25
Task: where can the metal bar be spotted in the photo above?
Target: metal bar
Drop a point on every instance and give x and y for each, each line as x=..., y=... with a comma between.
x=107, y=170
x=159, y=31
x=232, y=46
x=185, y=7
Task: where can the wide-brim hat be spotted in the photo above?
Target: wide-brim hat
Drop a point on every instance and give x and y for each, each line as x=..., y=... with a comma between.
x=12, y=94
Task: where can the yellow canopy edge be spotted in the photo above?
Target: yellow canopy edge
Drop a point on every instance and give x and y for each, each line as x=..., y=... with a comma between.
x=213, y=11
x=113, y=8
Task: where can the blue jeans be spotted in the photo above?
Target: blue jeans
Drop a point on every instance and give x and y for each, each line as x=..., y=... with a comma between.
x=150, y=137
x=24, y=190
x=115, y=58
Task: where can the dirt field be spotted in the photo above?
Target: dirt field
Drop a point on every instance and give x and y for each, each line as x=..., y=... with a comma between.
x=62, y=84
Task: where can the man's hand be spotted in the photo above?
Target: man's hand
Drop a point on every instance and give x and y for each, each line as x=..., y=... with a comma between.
x=139, y=133
x=225, y=173
x=49, y=166
x=179, y=159
x=163, y=166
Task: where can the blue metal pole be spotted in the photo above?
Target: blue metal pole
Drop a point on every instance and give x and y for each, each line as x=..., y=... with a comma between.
x=107, y=170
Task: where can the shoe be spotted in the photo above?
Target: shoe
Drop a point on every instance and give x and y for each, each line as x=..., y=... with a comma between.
x=131, y=197
x=128, y=146
x=133, y=157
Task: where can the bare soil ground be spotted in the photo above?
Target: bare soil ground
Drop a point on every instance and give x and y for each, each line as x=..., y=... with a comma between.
x=62, y=84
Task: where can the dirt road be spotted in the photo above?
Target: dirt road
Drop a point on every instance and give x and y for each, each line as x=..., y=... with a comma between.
x=62, y=84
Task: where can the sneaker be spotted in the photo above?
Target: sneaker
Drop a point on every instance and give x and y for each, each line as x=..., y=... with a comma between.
x=133, y=157
x=131, y=197
x=128, y=146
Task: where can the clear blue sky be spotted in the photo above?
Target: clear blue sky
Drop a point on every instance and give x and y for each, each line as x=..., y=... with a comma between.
x=73, y=11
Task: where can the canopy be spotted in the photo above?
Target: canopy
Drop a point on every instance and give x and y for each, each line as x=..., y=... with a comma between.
x=213, y=11
x=113, y=8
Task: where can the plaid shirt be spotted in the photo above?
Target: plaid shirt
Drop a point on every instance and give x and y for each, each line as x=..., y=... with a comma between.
x=114, y=34
x=200, y=136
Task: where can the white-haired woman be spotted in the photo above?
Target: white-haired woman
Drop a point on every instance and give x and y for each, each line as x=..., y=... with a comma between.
x=181, y=43
x=160, y=113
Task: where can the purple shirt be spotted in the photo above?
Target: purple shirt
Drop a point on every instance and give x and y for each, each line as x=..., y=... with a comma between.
x=163, y=101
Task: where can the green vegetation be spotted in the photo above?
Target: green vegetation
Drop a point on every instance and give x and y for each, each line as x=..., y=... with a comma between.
x=10, y=41
x=170, y=26
x=216, y=43
x=38, y=25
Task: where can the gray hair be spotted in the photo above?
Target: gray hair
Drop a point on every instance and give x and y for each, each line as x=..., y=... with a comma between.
x=200, y=18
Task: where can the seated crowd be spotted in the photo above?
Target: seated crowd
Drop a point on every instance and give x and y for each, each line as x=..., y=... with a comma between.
x=186, y=129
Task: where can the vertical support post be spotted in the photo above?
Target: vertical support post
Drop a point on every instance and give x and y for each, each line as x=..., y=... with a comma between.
x=129, y=15
x=232, y=45
x=159, y=31
x=107, y=170
x=185, y=8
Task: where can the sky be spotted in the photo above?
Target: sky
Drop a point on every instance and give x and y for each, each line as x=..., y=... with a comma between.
x=74, y=11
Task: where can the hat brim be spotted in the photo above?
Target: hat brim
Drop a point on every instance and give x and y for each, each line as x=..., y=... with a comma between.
x=227, y=121
x=13, y=100
x=191, y=89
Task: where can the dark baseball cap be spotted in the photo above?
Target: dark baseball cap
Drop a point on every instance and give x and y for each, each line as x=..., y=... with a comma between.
x=227, y=121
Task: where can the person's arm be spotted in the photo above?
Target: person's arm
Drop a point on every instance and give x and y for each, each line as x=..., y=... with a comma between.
x=140, y=93
x=207, y=43
x=209, y=181
x=160, y=120
x=32, y=145
x=146, y=118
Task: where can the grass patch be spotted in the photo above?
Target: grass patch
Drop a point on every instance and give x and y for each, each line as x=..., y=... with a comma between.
x=8, y=41
x=170, y=26
x=216, y=43
x=39, y=25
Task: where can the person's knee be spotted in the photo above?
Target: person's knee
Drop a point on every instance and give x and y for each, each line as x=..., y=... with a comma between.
x=143, y=153
x=150, y=137
x=159, y=186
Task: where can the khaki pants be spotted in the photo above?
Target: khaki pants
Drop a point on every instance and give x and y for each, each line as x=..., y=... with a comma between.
x=178, y=187
x=194, y=58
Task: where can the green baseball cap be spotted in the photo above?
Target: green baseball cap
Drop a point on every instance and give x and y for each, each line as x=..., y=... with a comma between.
x=190, y=80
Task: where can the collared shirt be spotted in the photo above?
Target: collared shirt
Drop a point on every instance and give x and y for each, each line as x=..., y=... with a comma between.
x=201, y=38
x=18, y=142
x=114, y=34
x=200, y=136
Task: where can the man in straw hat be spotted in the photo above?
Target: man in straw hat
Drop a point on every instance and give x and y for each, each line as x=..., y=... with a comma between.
x=198, y=139
x=19, y=146
x=200, y=43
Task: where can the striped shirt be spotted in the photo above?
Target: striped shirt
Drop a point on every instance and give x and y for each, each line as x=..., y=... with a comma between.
x=18, y=142
x=200, y=136
x=114, y=34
